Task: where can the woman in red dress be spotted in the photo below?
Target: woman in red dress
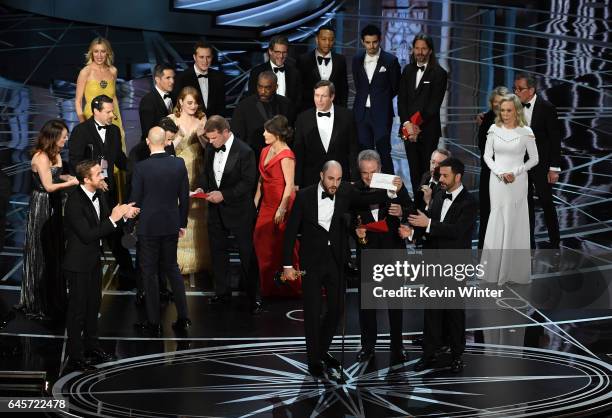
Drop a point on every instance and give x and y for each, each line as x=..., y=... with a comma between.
x=274, y=196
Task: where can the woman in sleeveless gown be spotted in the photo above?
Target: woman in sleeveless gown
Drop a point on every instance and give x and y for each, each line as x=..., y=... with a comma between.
x=43, y=289
x=99, y=77
x=193, y=253
x=506, y=249
x=274, y=196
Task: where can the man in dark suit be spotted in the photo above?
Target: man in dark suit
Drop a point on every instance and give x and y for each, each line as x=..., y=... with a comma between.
x=253, y=111
x=158, y=183
x=376, y=74
x=447, y=224
x=542, y=118
x=157, y=103
x=323, y=64
x=86, y=222
x=422, y=88
x=318, y=214
x=289, y=79
x=229, y=179
x=369, y=163
x=208, y=82
x=324, y=133
x=99, y=140
x=429, y=184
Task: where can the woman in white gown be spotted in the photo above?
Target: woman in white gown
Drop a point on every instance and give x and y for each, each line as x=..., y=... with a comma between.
x=506, y=250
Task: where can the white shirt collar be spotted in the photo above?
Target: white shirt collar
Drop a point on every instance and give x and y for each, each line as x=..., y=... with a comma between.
x=197, y=70
x=228, y=143
x=97, y=122
x=276, y=66
x=372, y=58
x=158, y=152
x=160, y=91
x=87, y=192
x=331, y=110
x=320, y=191
x=456, y=192
x=532, y=101
x=422, y=65
x=318, y=54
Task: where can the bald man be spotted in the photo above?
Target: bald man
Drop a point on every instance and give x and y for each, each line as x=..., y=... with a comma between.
x=318, y=214
x=158, y=183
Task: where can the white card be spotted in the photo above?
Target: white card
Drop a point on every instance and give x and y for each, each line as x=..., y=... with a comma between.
x=383, y=181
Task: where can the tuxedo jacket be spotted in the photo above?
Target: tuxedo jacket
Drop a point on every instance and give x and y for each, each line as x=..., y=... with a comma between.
x=86, y=144
x=487, y=120
x=382, y=89
x=158, y=183
x=426, y=98
x=547, y=131
x=216, y=87
x=250, y=115
x=455, y=232
x=418, y=194
x=151, y=109
x=304, y=219
x=307, y=63
x=293, y=81
x=237, y=185
x=310, y=154
x=83, y=231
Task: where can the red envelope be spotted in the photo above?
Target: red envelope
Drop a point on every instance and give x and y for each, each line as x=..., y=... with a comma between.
x=200, y=195
x=416, y=118
x=380, y=226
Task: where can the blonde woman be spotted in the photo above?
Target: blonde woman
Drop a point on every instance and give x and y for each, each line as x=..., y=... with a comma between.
x=506, y=244
x=193, y=249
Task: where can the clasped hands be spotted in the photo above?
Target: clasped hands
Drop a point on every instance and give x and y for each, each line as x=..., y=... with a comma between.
x=290, y=274
x=507, y=177
x=214, y=197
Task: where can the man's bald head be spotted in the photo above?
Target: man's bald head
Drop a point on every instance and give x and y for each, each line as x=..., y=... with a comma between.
x=157, y=136
x=331, y=176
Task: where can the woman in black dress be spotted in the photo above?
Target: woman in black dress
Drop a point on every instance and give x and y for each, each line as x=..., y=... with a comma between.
x=43, y=289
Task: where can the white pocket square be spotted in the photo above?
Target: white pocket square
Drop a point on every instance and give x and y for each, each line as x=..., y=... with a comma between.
x=382, y=69
x=426, y=82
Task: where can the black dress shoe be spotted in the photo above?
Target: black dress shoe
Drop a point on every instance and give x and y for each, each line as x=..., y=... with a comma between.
x=140, y=295
x=330, y=361
x=181, y=324
x=165, y=296
x=424, y=363
x=457, y=365
x=99, y=356
x=219, y=299
x=398, y=356
x=317, y=370
x=365, y=354
x=257, y=308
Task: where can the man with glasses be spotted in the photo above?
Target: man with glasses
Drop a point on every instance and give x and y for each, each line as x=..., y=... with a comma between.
x=289, y=80
x=541, y=117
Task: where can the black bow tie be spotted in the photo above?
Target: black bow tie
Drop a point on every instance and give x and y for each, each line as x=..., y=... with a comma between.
x=100, y=127
x=448, y=196
x=325, y=195
x=321, y=59
x=432, y=184
x=527, y=105
x=326, y=114
x=421, y=68
x=95, y=196
x=277, y=69
x=166, y=96
x=221, y=148
x=202, y=75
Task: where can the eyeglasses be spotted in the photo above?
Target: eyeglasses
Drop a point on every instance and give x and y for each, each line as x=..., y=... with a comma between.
x=520, y=89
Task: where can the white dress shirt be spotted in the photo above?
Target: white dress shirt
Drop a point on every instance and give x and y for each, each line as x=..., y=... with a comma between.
x=324, y=70
x=167, y=100
x=325, y=125
x=446, y=204
x=369, y=64
x=203, y=82
x=419, y=75
x=281, y=80
x=325, y=209
x=374, y=209
x=101, y=132
x=96, y=205
x=220, y=160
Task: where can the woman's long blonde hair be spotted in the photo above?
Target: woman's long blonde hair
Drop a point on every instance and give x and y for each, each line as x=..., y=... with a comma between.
x=109, y=51
x=518, y=106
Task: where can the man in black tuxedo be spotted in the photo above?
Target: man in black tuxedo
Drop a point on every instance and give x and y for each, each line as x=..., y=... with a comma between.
x=99, y=140
x=160, y=182
x=541, y=116
x=324, y=133
x=318, y=214
x=289, y=79
x=369, y=163
x=157, y=103
x=376, y=74
x=253, y=111
x=323, y=64
x=87, y=220
x=229, y=179
x=208, y=82
x=448, y=223
x=429, y=184
x=422, y=88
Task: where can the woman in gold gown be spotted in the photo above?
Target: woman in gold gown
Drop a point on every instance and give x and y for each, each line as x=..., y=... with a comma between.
x=193, y=250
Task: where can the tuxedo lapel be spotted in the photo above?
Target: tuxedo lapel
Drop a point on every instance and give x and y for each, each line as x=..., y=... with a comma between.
x=160, y=102
x=315, y=133
x=334, y=133
x=315, y=68
x=96, y=137
x=535, y=114
x=90, y=210
x=232, y=158
x=425, y=77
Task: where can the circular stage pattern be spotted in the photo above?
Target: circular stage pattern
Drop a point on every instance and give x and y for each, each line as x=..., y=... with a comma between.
x=271, y=379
